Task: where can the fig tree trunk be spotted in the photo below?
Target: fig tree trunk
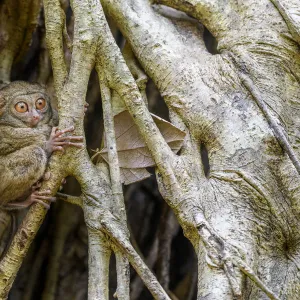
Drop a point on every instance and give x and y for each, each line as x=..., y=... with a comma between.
x=220, y=219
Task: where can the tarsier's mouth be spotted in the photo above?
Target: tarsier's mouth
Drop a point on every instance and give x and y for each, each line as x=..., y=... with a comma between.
x=34, y=122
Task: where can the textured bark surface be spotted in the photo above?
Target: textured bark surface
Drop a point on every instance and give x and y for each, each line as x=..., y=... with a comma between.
x=229, y=73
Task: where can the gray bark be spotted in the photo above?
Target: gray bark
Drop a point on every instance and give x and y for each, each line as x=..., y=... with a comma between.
x=250, y=199
x=241, y=106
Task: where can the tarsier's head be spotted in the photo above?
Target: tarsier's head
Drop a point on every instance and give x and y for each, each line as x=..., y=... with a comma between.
x=24, y=104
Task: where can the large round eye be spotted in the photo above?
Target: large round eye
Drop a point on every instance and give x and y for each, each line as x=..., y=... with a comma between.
x=21, y=107
x=40, y=103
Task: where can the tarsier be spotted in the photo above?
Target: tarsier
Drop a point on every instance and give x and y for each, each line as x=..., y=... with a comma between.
x=28, y=137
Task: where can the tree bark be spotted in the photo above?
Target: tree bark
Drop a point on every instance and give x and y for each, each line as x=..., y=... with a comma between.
x=234, y=187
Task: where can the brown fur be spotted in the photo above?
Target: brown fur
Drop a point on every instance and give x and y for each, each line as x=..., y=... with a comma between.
x=23, y=156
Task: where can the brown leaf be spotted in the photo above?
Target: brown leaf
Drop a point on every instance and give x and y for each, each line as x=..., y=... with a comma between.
x=133, y=153
x=133, y=175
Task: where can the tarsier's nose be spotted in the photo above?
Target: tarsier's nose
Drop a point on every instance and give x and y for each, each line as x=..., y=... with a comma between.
x=35, y=118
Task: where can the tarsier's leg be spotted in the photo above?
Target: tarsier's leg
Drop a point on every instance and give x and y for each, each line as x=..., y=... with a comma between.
x=19, y=171
x=36, y=196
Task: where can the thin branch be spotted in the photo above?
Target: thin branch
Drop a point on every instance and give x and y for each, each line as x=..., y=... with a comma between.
x=136, y=286
x=123, y=276
x=168, y=229
x=118, y=207
x=121, y=80
x=110, y=225
x=99, y=256
x=70, y=199
x=112, y=148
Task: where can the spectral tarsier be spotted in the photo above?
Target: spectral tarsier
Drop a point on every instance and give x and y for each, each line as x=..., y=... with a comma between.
x=28, y=136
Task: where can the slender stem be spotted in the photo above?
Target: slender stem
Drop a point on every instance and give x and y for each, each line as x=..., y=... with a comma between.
x=119, y=206
x=99, y=256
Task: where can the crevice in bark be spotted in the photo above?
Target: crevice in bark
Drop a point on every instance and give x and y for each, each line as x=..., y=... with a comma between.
x=205, y=159
x=210, y=42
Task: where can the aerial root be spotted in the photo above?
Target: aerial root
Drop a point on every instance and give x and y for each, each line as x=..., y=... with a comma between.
x=227, y=257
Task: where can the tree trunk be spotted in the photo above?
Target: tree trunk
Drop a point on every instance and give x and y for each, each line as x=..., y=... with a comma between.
x=229, y=75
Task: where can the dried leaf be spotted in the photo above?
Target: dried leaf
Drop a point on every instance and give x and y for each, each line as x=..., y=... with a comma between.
x=133, y=153
x=133, y=175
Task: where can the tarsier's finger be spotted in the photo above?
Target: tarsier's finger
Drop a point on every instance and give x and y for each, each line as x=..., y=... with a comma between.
x=61, y=132
x=58, y=148
x=48, y=198
x=75, y=138
x=42, y=202
x=78, y=145
x=69, y=138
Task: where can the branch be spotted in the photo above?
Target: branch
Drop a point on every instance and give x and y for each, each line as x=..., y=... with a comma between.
x=123, y=274
x=54, y=22
x=114, y=229
x=70, y=199
x=121, y=80
x=168, y=229
x=99, y=257
x=214, y=14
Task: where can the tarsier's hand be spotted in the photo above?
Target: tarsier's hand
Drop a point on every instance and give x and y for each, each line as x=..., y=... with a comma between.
x=57, y=141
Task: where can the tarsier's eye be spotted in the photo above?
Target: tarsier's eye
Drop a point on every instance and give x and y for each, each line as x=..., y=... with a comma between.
x=40, y=103
x=21, y=107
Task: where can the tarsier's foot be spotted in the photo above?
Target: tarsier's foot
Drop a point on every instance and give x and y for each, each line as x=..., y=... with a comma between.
x=57, y=141
x=35, y=197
